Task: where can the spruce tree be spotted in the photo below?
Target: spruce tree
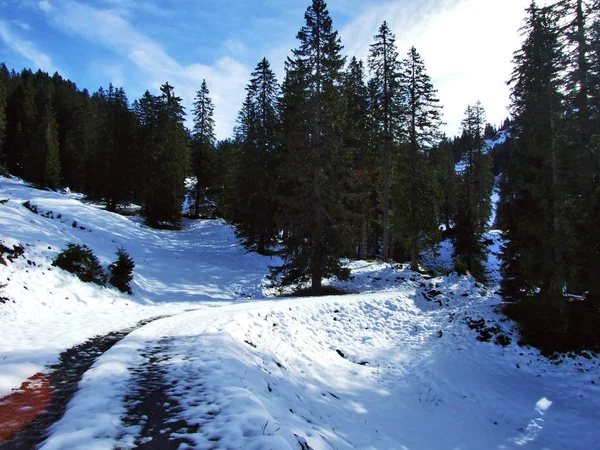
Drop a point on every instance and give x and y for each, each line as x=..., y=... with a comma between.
x=445, y=171
x=362, y=185
x=4, y=81
x=20, y=123
x=385, y=68
x=203, y=141
x=314, y=217
x=257, y=132
x=42, y=160
x=533, y=259
x=416, y=187
x=475, y=189
x=166, y=158
x=579, y=137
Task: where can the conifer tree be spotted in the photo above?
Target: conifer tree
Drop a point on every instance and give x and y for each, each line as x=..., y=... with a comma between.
x=20, y=123
x=416, y=187
x=476, y=184
x=203, y=141
x=533, y=261
x=41, y=162
x=257, y=132
x=167, y=156
x=314, y=219
x=384, y=65
x=579, y=135
x=227, y=168
x=4, y=80
x=445, y=171
x=362, y=184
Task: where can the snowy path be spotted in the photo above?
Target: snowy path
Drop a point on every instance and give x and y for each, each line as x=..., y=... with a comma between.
x=271, y=375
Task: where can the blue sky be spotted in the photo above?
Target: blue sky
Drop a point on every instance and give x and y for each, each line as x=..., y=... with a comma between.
x=467, y=45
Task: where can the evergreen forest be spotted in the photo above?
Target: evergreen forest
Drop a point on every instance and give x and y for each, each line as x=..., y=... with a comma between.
x=344, y=158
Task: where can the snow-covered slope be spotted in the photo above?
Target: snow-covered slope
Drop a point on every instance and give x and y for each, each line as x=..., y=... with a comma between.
x=397, y=365
x=49, y=310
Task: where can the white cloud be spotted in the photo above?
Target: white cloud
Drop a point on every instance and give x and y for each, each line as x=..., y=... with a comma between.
x=23, y=25
x=235, y=47
x=226, y=78
x=45, y=5
x=467, y=46
x=26, y=49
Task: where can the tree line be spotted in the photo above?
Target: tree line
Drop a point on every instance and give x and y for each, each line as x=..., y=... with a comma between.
x=330, y=163
x=335, y=163
x=346, y=158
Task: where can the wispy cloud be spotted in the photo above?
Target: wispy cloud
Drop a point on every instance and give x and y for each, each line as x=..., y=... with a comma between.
x=45, y=5
x=226, y=77
x=26, y=49
x=235, y=47
x=23, y=25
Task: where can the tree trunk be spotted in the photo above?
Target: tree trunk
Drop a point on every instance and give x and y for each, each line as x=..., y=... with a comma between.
x=386, y=220
x=363, y=246
x=198, y=192
x=316, y=281
x=552, y=294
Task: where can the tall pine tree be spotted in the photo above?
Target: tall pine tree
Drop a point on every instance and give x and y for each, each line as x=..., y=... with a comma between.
x=385, y=67
x=416, y=187
x=203, y=141
x=533, y=197
x=475, y=189
x=362, y=185
x=258, y=134
x=167, y=156
x=312, y=111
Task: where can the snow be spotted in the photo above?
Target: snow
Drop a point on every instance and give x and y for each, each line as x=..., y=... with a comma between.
x=54, y=311
x=395, y=365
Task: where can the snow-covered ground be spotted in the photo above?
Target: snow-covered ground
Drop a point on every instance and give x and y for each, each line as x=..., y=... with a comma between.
x=397, y=365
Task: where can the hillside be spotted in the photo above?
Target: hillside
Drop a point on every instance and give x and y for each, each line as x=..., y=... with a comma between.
x=403, y=362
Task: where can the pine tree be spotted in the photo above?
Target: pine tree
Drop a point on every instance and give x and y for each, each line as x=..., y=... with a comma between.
x=121, y=271
x=257, y=132
x=384, y=65
x=476, y=184
x=362, y=184
x=114, y=157
x=203, y=141
x=167, y=156
x=533, y=261
x=314, y=219
x=4, y=81
x=579, y=20
x=20, y=123
x=416, y=187
x=445, y=171
x=227, y=168
x=42, y=160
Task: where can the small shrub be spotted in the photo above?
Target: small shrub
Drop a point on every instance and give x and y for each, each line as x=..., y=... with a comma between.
x=31, y=207
x=81, y=261
x=121, y=271
x=11, y=253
